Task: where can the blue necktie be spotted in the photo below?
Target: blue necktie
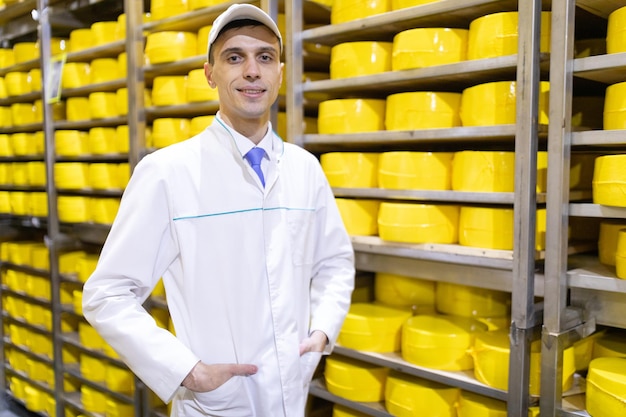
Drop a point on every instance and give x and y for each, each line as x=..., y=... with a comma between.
x=254, y=157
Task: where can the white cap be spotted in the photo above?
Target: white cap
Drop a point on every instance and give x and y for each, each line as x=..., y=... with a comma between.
x=240, y=12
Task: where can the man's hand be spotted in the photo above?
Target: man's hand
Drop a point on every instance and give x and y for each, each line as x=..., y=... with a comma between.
x=204, y=378
x=316, y=342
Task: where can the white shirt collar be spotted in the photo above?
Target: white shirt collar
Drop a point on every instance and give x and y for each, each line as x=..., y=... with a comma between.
x=244, y=144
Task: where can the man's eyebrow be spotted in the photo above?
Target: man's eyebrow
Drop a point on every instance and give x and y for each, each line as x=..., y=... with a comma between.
x=238, y=49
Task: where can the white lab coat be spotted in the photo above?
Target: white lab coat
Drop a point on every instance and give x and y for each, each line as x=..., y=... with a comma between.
x=248, y=273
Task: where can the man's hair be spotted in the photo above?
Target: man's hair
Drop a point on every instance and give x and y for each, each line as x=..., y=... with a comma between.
x=232, y=25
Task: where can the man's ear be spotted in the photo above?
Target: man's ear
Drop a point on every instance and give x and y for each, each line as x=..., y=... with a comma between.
x=208, y=73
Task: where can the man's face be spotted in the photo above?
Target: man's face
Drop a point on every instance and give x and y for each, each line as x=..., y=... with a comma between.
x=246, y=71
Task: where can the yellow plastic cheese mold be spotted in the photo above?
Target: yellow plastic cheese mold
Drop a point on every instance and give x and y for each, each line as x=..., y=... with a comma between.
x=355, y=380
x=483, y=171
x=360, y=216
x=614, y=107
x=418, y=223
x=491, y=354
x=413, y=170
x=494, y=103
x=170, y=46
x=349, y=10
x=422, y=110
x=616, y=32
x=609, y=180
x=169, y=90
x=353, y=59
x=440, y=341
x=408, y=396
x=467, y=301
x=496, y=35
x=373, y=327
x=351, y=115
x=606, y=387
x=486, y=227
x=403, y=4
x=427, y=47
x=351, y=169
x=402, y=291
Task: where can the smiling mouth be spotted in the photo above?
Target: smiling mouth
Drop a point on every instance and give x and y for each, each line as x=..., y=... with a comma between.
x=251, y=91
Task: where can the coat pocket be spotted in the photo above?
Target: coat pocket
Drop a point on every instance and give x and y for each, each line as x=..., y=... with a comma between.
x=229, y=400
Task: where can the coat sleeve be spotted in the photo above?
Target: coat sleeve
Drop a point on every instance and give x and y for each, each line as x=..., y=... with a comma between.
x=139, y=248
x=332, y=280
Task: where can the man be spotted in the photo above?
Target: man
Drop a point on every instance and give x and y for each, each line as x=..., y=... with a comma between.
x=257, y=266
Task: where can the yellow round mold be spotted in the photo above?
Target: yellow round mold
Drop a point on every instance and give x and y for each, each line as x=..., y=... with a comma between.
x=427, y=47
x=418, y=223
x=353, y=59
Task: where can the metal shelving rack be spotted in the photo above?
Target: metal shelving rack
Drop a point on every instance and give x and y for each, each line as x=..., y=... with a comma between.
x=513, y=271
x=580, y=292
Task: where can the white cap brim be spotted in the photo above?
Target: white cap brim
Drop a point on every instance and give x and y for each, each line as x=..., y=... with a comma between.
x=240, y=12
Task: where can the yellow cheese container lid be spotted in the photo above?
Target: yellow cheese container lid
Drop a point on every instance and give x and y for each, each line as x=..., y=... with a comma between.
x=496, y=35
x=427, y=47
x=78, y=109
x=353, y=59
x=169, y=90
x=6, y=145
x=607, y=240
x=104, y=32
x=614, y=116
x=170, y=46
x=418, y=223
x=609, y=180
x=360, y=216
x=121, y=101
x=122, y=65
x=166, y=131
x=198, y=89
x=76, y=74
x=160, y=9
x=403, y=291
x=19, y=173
x=475, y=405
x=17, y=83
x=616, y=32
x=373, y=327
x=349, y=10
x=78, y=301
x=440, y=342
x=5, y=202
x=486, y=227
x=5, y=117
x=467, y=301
x=483, y=171
x=89, y=337
x=198, y=4
x=122, y=139
x=355, y=380
x=422, y=110
x=35, y=398
x=606, y=387
x=25, y=51
x=351, y=115
x=408, y=396
x=411, y=170
x=81, y=39
x=350, y=169
x=402, y=4
x=103, y=105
